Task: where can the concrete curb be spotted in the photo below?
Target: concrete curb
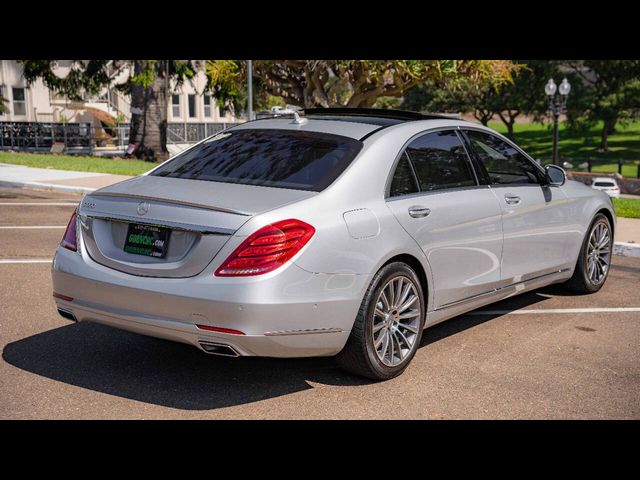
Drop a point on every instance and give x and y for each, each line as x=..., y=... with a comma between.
x=625, y=249
x=46, y=186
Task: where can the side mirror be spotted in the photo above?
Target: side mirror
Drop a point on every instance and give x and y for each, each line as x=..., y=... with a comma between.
x=556, y=176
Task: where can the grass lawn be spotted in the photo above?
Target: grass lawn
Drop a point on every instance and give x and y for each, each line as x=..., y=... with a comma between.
x=536, y=139
x=629, y=170
x=627, y=207
x=77, y=163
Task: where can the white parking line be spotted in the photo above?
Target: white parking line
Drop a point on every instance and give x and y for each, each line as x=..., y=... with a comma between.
x=10, y=261
x=29, y=227
x=55, y=204
x=556, y=310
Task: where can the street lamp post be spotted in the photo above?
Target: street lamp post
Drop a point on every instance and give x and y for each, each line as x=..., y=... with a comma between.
x=250, y=90
x=557, y=106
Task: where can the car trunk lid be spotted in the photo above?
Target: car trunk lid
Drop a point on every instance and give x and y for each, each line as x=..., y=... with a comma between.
x=201, y=217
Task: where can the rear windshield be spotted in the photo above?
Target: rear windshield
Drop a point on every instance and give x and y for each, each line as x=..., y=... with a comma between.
x=604, y=184
x=270, y=158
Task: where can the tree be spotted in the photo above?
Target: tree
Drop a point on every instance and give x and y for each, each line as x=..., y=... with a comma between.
x=524, y=95
x=612, y=90
x=465, y=97
x=508, y=100
x=3, y=104
x=148, y=83
x=306, y=83
x=350, y=83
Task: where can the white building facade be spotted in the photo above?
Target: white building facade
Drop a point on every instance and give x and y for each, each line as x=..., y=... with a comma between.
x=36, y=103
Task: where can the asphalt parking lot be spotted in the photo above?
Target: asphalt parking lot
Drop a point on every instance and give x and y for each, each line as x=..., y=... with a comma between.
x=527, y=357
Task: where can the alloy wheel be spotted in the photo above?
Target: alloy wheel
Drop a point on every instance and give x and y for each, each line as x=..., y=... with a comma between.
x=598, y=253
x=396, y=321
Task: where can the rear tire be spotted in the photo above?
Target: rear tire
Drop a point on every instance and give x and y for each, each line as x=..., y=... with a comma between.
x=594, y=260
x=388, y=328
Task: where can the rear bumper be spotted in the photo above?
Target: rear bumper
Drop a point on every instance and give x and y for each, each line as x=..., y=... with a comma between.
x=294, y=313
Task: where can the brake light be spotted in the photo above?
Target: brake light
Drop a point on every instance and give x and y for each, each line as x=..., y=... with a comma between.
x=267, y=249
x=69, y=239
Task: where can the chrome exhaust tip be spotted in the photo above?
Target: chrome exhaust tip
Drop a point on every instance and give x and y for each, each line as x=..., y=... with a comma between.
x=219, y=349
x=68, y=315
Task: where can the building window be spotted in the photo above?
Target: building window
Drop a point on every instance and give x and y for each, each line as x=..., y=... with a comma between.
x=207, y=106
x=192, y=105
x=2, y=99
x=19, y=103
x=223, y=112
x=175, y=106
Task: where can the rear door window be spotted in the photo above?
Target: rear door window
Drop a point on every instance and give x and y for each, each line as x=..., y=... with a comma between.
x=404, y=181
x=440, y=161
x=266, y=157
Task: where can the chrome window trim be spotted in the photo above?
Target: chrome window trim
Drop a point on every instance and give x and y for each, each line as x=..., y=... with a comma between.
x=436, y=192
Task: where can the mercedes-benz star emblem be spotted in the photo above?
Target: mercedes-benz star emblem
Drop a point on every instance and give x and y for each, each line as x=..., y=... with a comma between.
x=143, y=208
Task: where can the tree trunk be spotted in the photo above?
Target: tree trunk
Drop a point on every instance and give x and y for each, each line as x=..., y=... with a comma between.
x=509, y=120
x=149, y=114
x=483, y=116
x=607, y=129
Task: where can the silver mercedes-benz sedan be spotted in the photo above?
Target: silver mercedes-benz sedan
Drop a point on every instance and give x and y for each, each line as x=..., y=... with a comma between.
x=340, y=232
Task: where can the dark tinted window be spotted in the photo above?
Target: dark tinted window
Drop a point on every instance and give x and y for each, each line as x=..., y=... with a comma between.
x=271, y=158
x=604, y=184
x=192, y=105
x=404, y=182
x=504, y=164
x=440, y=161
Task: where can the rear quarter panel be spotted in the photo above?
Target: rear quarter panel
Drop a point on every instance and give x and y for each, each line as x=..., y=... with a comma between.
x=338, y=248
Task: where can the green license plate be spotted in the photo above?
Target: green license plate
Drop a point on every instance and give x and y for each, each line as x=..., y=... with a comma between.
x=147, y=240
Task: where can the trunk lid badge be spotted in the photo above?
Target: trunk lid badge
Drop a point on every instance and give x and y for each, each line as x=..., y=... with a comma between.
x=143, y=208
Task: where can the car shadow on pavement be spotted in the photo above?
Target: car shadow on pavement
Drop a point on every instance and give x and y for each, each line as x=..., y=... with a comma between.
x=165, y=373
x=465, y=322
x=169, y=374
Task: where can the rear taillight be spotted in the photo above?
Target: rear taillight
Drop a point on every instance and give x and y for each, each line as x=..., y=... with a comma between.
x=267, y=249
x=69, y=239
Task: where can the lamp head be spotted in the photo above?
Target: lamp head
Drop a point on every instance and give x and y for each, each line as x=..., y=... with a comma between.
x=550, y=88
x=565, y=87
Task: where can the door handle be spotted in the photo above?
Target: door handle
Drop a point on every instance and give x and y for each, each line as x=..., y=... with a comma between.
x=419, y=211
x=512, y=199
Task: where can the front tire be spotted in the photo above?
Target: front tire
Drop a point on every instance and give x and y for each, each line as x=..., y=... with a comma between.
x=388, y=328
x=594, y=260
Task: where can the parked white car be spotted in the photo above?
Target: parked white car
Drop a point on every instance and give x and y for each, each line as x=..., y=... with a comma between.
x=608, y=185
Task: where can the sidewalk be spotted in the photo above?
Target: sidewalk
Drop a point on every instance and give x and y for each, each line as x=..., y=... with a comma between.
x=628, y=230
x=57, y=180
x=627, y=237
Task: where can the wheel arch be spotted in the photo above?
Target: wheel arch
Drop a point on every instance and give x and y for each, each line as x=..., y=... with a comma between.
x=612, y=221
x=420, y=270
